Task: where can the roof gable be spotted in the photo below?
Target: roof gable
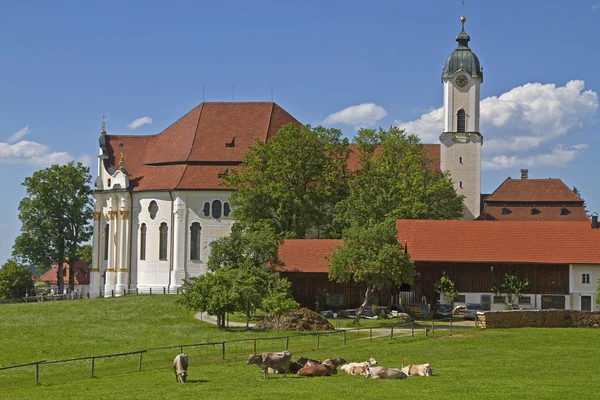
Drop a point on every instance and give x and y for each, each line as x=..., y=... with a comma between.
x=533, y=190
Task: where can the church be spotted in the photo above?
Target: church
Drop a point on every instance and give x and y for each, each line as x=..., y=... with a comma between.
x=159, y=202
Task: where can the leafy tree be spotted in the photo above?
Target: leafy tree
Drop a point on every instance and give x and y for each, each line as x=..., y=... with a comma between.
x=372, y=255
x=84, y=253
x=512, y=287
x=396, y=180
x=15, y=280
x=292, y=182
x=278, y=303
x=446, y=287
x=578, y=193
x=54, y=217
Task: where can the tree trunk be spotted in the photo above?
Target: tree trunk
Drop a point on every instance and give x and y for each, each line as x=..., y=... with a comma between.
x=247, y=314
x=59, y=276
x=364, y=304
x=71, y=278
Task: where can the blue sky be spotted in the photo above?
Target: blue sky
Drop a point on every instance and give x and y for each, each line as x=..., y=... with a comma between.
x=64, y=64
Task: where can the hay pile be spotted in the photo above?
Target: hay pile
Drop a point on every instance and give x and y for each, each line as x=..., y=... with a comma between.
x=302, y=319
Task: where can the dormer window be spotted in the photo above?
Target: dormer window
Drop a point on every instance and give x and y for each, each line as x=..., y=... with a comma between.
x=230, y=144
x=505, y=211
x=535, y=211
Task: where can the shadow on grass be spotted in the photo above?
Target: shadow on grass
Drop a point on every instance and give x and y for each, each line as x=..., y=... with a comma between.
x=196, y=381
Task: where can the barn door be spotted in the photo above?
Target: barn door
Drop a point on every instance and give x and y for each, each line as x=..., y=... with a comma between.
x=586, y=303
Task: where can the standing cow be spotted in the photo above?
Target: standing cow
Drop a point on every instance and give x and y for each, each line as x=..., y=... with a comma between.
x=276, y=361
x=180, y=366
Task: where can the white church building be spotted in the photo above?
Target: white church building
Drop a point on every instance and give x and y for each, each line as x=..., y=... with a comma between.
x=159, y=202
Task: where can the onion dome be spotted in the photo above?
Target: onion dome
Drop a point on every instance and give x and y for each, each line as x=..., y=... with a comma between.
x=462, y=58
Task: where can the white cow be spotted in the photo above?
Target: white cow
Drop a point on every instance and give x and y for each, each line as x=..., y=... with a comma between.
x=180, y=366
x=418, y=370
x=358, y=368
x=384, y=373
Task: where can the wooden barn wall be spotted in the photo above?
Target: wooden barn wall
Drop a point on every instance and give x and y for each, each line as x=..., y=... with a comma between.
x=306, y=286
x=480, y=278
x=467, y=277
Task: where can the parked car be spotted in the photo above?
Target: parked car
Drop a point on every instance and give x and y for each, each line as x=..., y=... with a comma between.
x=458, y=310
x=444, y=311
x=471, y=310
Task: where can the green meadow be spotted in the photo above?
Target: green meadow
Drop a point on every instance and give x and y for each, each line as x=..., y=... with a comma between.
x=470, y=363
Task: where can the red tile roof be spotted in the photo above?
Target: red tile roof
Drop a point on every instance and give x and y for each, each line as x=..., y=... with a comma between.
x=533, y=190
x=82, y=274
x=522, y=212
x=191, y=152
x=433, y=151
x=307, y=255
x=500, y=241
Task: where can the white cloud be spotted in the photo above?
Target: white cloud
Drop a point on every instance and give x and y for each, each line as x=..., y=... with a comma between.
x=19, y=134
x=559, y=157
x=139, y=122
x=595, y=6
x=525, y=118
x=366, y=114
x=31, y=153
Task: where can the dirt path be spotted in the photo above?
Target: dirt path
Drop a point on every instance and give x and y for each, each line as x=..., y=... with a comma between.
x=211, y=319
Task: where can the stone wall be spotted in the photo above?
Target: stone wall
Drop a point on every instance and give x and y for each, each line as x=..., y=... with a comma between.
x=538, y=319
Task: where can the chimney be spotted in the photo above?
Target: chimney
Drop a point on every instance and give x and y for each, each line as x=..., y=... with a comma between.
x=595, y=222
x=524, y=173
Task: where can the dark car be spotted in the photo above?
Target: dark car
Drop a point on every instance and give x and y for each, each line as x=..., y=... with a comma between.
x=471, y=310
x=444, y=311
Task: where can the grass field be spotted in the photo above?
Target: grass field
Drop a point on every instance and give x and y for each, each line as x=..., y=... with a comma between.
x=472, y=363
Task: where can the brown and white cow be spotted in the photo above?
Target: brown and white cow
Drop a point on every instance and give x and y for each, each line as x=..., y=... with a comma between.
x=303, y=360
x=384, y=373
x=293, y=368
x=358, y=368
x=418, y=370
x=313, y=369
x=275, y=361
x=180, y=366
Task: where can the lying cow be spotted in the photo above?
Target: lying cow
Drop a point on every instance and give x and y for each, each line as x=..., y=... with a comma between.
x=180, y=366
x=313, y=369
x=275, y=361
x=303, y=360
x=336, y=361
x=358, y=368
x=418, y=370
x=384, y=373
x=293, y=367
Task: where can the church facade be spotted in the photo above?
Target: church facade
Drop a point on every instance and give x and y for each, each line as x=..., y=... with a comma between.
x=159, y=202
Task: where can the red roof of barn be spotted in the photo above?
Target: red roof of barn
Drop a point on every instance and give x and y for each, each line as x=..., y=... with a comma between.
x=82, y=274
x=571, y=242
x=533, y=190
x=307, y=255
x=192, y=152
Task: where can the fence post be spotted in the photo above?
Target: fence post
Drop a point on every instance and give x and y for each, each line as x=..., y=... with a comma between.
x=180, y=349
x=93, y=359
x=112, y=292
x=150, y=289
x=450, y=326
x=287, y=342
x=37, y=372
x=164, y=290
x=413, y=328
x=124, y=292
x=371, y=334
x=344, y=336
x=317, y=341
x=177, y=290
x=140, y=362
x=223, y=352
x=392, y=333
x=432, y=326
x=255, y=346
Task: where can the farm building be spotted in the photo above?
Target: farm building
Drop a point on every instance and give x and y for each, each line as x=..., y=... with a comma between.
x=81, y=278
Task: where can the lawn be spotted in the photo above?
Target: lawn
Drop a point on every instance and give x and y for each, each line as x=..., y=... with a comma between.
x=472, y=363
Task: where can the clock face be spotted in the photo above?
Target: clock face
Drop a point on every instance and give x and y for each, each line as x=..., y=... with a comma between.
x=462, y=80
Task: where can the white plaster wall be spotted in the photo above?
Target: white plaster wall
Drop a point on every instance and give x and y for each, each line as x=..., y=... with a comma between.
x=578, y=289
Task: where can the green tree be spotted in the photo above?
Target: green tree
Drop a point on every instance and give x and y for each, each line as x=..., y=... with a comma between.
x=397, y=180
x=512, y=287
x=15, y=280
x=446, y=287
x=84, y=253
x=292, y=182
x=372, y=255
x=55, y=217
x=578, y=193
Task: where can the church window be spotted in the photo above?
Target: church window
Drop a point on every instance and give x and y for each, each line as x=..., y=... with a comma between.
x=143, y=230
x=195, y=241
x=460, y=183
x=108, y=182
x=153, y=209
x=535, y=211
x=206, y=209
x=460, y=160
x=226, y=209
x=163, y=239
x=216, y=209
x=564, y=211
x=106, y=235
x=460, y=121
x=505, y=211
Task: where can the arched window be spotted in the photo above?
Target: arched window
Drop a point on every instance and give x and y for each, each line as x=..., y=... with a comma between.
x=460, y=183
x=226, y=209
x=206, y=209
x=163, y=239
x=106, y=235
x=143, y=230
x=153, y=209
x=195, y=241
x=460, y=121
x=216, y=209
x=460, y=160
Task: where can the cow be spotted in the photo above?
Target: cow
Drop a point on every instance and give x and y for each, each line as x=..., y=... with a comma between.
x=303, y=360
x=180, y=366
x=384, y=373
x=418, y=370
x=293, y=367
x=274, y=360
x=336, y=361
x=358, y=368
x=313, y=369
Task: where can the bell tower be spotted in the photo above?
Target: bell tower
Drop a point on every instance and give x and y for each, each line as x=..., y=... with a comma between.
x=461, y=141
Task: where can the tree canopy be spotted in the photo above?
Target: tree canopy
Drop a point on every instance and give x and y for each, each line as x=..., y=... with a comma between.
x=446, y=287
x=15, y=280
x=55, y=217
x=397, y=180
x=371, y=254
x=292, y=182
x=512, y=287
